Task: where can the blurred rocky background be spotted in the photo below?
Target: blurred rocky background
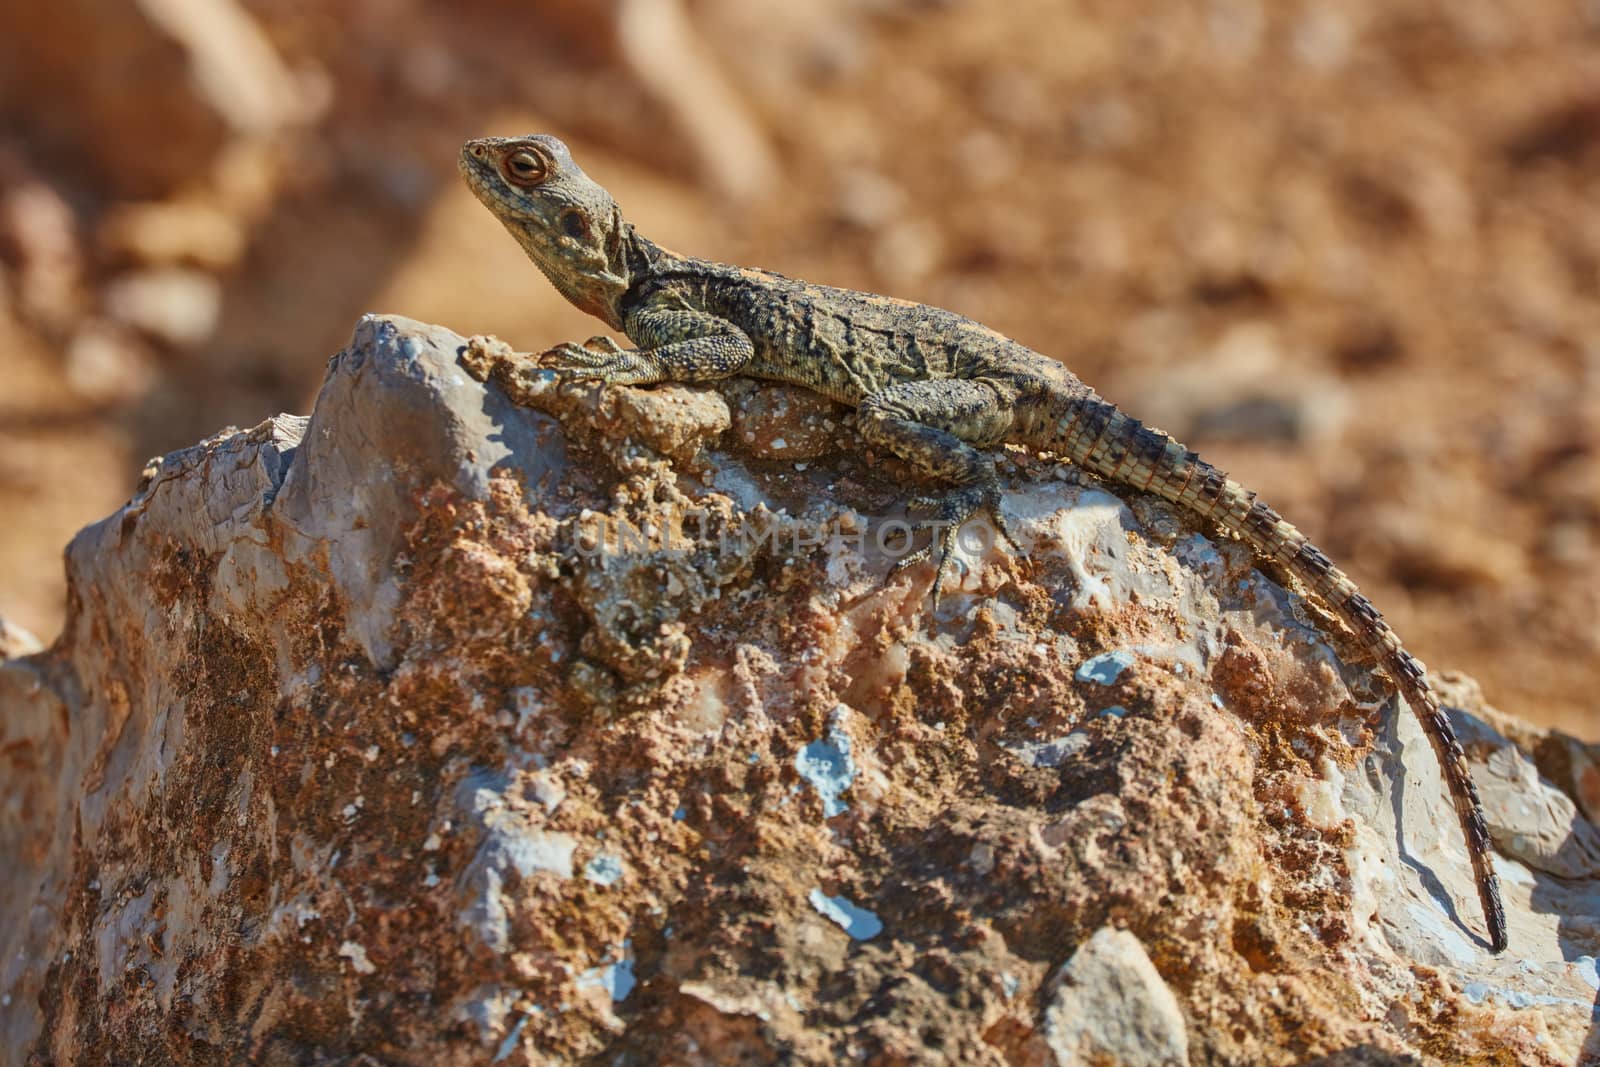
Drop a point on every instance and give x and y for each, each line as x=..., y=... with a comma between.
x=1345, y=248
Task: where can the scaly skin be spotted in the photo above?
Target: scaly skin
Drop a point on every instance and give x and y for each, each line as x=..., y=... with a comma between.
x=931, y=386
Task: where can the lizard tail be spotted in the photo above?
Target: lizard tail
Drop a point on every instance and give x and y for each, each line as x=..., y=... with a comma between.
x=1097, y=436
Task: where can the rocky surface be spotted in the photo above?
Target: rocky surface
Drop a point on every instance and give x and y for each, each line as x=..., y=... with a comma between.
x=1345, y=248
x=447, y=729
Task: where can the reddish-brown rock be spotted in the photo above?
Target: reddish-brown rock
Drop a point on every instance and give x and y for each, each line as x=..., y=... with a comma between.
x=445, y=730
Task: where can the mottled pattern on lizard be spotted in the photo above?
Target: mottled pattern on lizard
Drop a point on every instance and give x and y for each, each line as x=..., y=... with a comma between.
x=930, y=386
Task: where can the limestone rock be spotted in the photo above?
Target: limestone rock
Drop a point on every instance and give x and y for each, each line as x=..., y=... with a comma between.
x=16, y=641
x=1111, y=1006
x=439, y=728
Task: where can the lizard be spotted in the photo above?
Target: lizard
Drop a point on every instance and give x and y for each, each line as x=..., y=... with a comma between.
x=935, y=388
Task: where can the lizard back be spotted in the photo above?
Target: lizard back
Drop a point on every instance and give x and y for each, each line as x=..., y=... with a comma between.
x=844, y=343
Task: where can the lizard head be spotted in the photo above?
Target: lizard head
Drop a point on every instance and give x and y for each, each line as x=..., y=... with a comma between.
x=560, y=216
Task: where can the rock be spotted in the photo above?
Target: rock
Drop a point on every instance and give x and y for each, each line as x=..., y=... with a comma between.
x=867, y=199
x=16, y=641
x=658, y=44
x=186, y=232
x=186, y=75
x=39, y=238
x=791, y=424
x=106, y=364
x=177, y=305
x=435, y=728
x=1110, y=1005
x=1247, y=388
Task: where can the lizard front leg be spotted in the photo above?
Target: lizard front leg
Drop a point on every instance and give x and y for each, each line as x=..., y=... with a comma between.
x=675, y=345
x=940, y=426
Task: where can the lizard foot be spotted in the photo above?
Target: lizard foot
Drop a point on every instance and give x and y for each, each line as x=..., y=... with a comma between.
x=936, y=505
x=950, y=513
x=599, y=359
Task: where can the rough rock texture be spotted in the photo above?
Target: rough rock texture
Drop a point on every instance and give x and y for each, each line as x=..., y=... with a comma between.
x=1346, y=248
x=448, y=730
x=1110, y=1002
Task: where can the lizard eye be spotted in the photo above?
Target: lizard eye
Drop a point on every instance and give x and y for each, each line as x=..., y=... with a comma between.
x=525, y=168
x=574, y=225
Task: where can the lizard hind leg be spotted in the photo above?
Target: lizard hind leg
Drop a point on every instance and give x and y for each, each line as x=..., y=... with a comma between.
x=941, y=427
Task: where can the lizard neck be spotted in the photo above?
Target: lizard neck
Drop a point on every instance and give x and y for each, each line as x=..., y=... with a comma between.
x=644, y=263
x=642, y=257
x=601, y=283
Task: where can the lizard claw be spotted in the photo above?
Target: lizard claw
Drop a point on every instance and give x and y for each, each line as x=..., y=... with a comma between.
x=910, y=559
x=952, y=511
x=1000, y=527
x=599, y=359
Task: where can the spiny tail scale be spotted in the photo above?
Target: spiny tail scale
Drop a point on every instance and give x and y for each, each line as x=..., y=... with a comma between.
x=1097, y=436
